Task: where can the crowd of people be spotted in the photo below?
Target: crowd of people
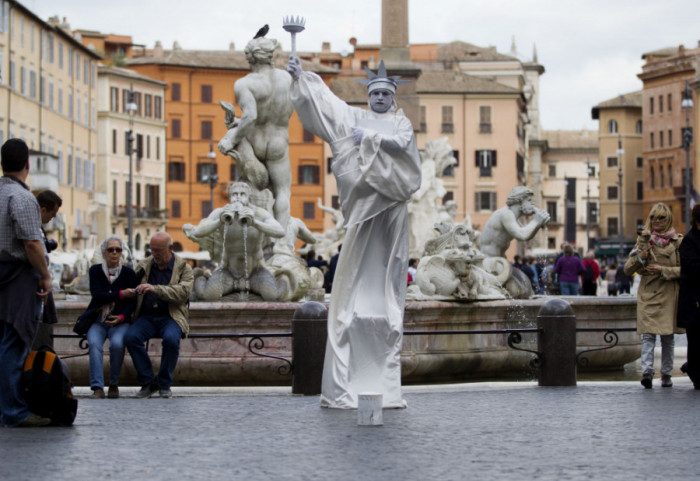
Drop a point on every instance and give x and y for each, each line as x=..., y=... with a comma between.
x=568, y=274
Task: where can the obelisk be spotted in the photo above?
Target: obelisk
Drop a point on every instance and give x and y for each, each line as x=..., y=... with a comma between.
x=397, y=56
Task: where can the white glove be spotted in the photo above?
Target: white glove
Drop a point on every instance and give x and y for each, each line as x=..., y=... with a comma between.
x=357, y=135
x=294, y=67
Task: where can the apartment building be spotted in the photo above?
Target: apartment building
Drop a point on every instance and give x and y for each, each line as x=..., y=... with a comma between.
x=620, y=137
x=570, y=189
x=664, y=76
x=131, y=119
x=48, y=97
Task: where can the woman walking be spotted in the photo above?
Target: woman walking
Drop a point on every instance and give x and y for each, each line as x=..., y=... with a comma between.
x=656, y=258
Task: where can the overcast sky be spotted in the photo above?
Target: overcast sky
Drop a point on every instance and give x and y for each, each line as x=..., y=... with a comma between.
x=591, y=49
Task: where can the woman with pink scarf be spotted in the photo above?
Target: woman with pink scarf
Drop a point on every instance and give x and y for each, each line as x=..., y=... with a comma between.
x=656, y=258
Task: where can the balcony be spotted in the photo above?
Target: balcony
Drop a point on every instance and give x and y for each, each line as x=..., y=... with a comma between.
x=140, y=212
x=43, y=171
x=81, y=232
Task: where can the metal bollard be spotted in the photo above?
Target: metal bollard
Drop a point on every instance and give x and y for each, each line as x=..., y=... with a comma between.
x=309, y=335
x=556, y=343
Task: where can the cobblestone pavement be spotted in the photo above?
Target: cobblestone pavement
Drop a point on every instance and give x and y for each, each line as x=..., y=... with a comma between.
x=599, y=431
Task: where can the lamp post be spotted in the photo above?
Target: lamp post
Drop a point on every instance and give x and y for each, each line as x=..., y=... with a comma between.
x=212, y=177
x=588, y=204
x=620, y=152
x=687, y=106
x=131, y=110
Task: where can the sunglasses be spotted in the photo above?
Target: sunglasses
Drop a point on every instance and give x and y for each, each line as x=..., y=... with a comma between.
x=112, y=250
x=658, y=217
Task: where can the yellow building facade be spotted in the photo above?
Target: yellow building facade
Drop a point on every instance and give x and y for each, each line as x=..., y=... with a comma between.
x=48, y=97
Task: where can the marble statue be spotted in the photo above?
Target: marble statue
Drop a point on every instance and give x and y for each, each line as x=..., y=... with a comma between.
x=259, y=139
x=377, y=168
x=235, y=234
x=503, y=226
x=326, y=243
x=452, y=267
x=463, y=263
x=423, y=210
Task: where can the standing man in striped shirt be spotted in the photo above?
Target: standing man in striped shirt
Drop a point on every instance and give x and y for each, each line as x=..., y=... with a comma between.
x=25, y=281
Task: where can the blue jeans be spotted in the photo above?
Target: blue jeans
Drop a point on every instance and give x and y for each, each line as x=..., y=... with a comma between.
x=568, y=288
x=96, y=338
x=13, y=352
x=148, y=327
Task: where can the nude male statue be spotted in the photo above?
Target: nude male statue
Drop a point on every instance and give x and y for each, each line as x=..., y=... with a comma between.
x=242, y=229
x=503, y=226
x=260, y=135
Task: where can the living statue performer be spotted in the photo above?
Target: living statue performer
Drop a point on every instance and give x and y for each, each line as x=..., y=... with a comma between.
x=377, y=168
x=260, y=136
x=237, y=233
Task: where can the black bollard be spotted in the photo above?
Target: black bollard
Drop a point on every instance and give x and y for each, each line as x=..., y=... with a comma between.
x=556, y=343
x=309, y=335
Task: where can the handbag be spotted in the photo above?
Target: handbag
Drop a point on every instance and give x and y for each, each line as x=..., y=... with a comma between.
x=85, y=320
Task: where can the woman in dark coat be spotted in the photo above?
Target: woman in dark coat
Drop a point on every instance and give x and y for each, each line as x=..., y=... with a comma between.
x=112, y=304
x=689, y=296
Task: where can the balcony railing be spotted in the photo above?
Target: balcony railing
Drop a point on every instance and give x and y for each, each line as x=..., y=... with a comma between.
x=141, y=212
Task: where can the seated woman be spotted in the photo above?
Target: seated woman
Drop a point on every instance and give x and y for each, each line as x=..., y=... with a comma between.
x=113, y=302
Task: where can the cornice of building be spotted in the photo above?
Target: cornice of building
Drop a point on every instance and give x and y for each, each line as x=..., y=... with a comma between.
x=56, y=29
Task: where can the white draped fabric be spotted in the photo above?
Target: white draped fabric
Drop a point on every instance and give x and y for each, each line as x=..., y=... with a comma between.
x=375, y=181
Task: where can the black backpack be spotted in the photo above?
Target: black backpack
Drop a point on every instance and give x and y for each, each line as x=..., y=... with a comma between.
x=47, y=387
x=588, y=274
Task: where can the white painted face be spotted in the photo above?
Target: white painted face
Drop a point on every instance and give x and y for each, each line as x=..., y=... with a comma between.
x=381, y=100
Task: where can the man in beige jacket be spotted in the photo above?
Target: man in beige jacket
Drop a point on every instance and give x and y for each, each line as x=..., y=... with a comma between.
x=161, y=311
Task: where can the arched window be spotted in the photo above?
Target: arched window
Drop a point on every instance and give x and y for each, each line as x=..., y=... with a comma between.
x=612, y=126
x=177, y=247
x=639, y=126
x=661, y=175
x=670, y=176
x=137, y=242
x=653, y=180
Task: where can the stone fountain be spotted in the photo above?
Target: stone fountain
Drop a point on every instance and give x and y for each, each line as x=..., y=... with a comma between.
x=463, y=282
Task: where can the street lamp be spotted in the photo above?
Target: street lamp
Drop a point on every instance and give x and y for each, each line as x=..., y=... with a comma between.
x=588, y=204
x=687, y=106
x=131, y=110
x=620, y=152
x=212, y=177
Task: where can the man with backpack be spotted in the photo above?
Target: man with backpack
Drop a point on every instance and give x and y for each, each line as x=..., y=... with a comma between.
x=589, y=278
x=25, y=281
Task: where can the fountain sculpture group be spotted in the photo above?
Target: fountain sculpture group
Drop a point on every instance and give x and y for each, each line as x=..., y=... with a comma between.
x=252, y=239
x=252, y=242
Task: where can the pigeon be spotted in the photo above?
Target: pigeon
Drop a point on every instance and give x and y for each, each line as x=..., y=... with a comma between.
x=263, y=31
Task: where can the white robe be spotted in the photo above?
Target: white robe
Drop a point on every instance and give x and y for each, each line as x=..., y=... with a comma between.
x=375, y=182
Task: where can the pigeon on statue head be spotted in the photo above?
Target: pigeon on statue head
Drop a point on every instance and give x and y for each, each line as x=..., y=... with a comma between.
x=263, y=31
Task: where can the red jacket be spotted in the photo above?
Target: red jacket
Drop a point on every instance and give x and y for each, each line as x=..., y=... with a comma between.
x=596, y=268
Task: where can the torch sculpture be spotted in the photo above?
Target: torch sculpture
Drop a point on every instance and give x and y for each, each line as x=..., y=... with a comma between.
x=293, y=26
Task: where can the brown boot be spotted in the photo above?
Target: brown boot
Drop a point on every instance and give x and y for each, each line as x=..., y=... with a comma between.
x=98, y=393
x=113, y=392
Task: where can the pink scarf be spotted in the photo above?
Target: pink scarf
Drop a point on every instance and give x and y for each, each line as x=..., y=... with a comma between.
x=663, y=239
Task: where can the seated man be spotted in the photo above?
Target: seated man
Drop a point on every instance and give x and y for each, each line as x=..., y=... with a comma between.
x=161, y=311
